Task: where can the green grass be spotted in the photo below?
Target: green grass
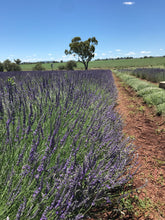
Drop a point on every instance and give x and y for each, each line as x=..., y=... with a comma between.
x=108, y=64
x=127, y=63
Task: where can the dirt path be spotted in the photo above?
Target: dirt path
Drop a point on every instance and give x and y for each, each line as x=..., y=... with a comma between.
x=148, y=131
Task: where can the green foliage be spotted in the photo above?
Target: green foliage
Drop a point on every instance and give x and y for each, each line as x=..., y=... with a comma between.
x=161, y=109
x=17, y=61
x=9, y=66
x=1, y=67
x=155, y=98
x=151, y=94
x=15, y=67
x=84, y=49
x=61, y=67
x=128, y=63
x=11, y=81
x=107, y=64
x=70, y=65
x=38, y=66
x=148, y=90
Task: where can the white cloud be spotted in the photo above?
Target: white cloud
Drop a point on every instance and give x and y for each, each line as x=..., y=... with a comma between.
x=161, y=49
x=130, y=53
x=68, y=57
x=103, y=54
x=31, y=59
x=128, y=3
x=11, y=57
x=51, y=58
x=50, y=54
x=145, y=52
x=118, y=50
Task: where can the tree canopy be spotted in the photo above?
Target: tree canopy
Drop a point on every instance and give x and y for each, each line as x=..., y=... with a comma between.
x=17, y=61
x=84, y=49
x=9, y=66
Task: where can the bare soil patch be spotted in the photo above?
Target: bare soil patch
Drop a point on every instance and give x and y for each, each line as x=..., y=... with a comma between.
x=148, y=131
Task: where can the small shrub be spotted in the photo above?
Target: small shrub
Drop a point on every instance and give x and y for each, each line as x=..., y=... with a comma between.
x=61, y=67
x=152, y=95
x=71, y=64
x=15, y=67
x=38, y=66
x=161, y=109
x=7, y=65
x=148, y=90
x=155, y=98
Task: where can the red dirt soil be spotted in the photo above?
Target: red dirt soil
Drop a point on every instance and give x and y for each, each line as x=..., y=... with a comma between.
x=148, y=131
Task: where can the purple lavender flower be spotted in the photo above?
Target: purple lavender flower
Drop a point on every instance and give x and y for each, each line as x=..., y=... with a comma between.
x=40, y=168
x=26, y=169
x=78, y=155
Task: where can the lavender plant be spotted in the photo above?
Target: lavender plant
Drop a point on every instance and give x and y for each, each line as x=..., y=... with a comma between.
x=61, y=143
x=150, y=74
x=151, y=94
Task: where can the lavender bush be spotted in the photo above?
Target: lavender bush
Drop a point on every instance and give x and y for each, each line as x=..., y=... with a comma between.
x=61, y=143
x=150, y=74
x=151, y=94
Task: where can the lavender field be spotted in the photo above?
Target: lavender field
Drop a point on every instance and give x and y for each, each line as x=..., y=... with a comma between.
x=150, y=74
x=62, y=150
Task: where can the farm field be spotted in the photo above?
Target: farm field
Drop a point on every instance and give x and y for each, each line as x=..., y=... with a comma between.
x=62, y=147
x=151, y=74
x=82, y=110
x=46, y=120
x=158, y=62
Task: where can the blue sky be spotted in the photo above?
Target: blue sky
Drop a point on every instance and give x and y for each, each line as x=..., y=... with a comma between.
x=35, y=30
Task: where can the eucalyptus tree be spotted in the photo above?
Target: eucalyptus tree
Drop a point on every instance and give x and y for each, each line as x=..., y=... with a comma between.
x=85, y=50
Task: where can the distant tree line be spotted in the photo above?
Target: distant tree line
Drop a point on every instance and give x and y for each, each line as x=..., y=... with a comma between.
x=8, y=66
x=42, y=62
x=120, y=58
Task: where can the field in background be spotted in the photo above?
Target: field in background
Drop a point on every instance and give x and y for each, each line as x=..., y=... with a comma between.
x=107, y=64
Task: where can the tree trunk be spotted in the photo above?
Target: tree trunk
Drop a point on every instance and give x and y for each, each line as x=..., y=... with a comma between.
x=86, y=68
x=85, y=65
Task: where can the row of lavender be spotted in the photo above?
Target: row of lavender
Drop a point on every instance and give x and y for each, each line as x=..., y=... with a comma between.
x=61, y=144
x=150, y=74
